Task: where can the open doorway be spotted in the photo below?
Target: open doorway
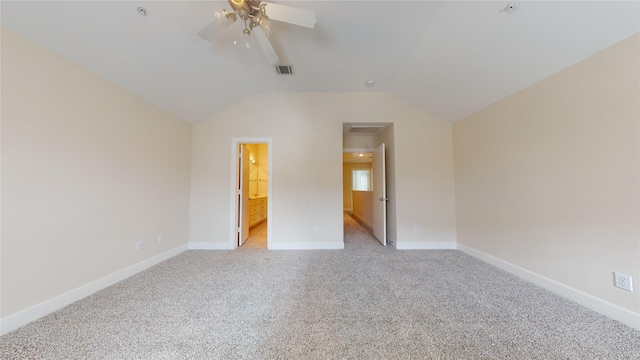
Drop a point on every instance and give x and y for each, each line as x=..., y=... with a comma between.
x=365, y=176
x=358, y=186
x=252, y=193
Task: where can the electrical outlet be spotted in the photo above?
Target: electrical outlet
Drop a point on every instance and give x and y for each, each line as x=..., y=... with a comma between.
x=161, y=239
x=415, y=229
x=623, y=281
x=139, y=245
x=315, y=230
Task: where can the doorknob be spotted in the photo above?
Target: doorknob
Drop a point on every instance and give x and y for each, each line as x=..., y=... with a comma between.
x=383, y=199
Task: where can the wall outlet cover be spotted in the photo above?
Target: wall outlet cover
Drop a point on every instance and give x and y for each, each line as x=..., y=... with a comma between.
x=623, y=281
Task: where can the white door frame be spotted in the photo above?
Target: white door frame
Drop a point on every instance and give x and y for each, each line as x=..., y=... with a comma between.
x=235, y=142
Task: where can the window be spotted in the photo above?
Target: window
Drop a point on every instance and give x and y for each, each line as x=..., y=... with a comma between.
x=362, y=180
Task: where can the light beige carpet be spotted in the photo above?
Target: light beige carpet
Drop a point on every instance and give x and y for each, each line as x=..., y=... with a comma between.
x=364, y=302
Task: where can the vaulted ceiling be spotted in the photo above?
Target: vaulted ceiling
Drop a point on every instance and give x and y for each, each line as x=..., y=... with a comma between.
x=449, y=58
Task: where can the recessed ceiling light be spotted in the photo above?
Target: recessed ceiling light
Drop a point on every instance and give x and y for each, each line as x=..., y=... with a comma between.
x=142, y=11
x=370, y=83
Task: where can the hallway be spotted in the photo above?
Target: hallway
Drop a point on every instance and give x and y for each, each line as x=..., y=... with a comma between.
x=357, y=235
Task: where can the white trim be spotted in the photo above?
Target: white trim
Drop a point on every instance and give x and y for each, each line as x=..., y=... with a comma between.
x=415, y=245
x=598, y=305
x=307, y=246
x=47, y=307
x=211, y=246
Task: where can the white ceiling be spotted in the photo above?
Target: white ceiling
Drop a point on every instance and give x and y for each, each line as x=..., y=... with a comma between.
x=449, y=58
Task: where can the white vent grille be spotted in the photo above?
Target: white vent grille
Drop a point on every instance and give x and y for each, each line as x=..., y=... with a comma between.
x=284, y=69
x=365, y=128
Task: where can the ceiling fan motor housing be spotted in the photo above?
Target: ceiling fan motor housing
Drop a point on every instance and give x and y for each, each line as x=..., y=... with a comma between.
x=248, y=8
x=251, y=11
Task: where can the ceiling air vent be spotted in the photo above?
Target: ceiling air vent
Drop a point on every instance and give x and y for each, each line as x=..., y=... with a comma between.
x=365, y=128
x=284, y=69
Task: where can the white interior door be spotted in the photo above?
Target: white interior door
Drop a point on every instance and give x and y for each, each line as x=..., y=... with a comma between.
x=379, y=195
x=243, y=195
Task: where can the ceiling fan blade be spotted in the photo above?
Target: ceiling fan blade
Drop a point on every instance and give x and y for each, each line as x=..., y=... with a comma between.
x=291, y=15
x=209, y=32
x=265, y=45
x=219, y=23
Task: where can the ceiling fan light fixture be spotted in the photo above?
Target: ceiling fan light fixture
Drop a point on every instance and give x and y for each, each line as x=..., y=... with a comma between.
x=256, y=23
x=223, y=18
x=247, y=38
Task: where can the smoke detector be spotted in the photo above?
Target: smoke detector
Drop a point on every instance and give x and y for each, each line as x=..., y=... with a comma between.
x=511, y=7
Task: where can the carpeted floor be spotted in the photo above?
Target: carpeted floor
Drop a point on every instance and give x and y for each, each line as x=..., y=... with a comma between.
x=364, y=302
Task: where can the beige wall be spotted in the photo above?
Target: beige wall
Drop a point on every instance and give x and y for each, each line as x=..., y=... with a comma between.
x=423, y=171
x=363, y=207
x=547, y=179
x=88, y=169
x=307, y=166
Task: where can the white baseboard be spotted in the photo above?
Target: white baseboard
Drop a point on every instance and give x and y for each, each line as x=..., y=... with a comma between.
x=415, y=245
x=211, y=246
x=363, y=220
x=598, y=305
x=307, y=246
x=47, y=307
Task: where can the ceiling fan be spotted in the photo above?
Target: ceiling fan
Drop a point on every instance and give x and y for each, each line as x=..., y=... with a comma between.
x=256, y=16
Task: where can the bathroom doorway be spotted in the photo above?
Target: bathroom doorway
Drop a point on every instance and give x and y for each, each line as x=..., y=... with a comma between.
x=252, y=193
